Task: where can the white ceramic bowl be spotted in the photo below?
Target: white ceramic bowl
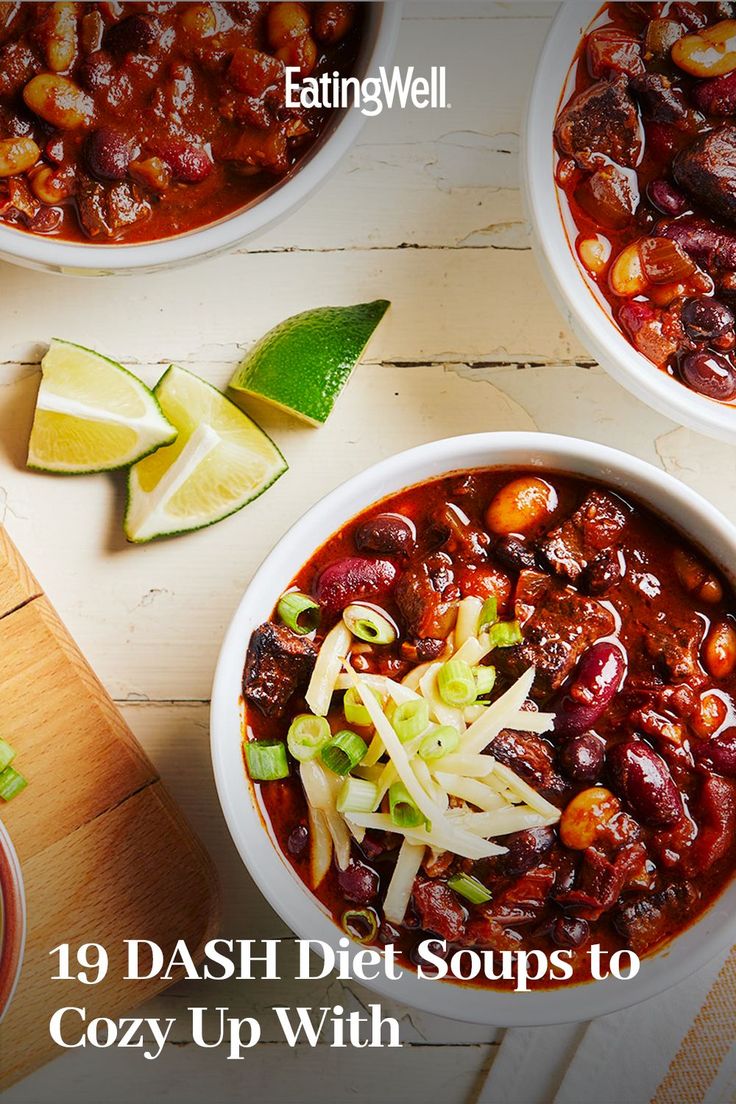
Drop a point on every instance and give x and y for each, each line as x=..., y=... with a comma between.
x=12, y=921
x=86, y=259
x=583, y=307
x=714, y=931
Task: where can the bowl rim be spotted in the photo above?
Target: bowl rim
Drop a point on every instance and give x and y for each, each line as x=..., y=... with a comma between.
x=12, y=936
x=711, y=934
x=231, y=230
x=563, y=274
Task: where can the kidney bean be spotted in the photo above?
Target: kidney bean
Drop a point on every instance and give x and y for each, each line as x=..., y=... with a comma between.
x=358, y=883
x=107, y=153
x=568, y=931
x=708, y=245
x=666, y=198
x=188, y=163
x=595, y=682
x=354, y=579
x=298, y=840
x=716, y=818
x=719, y=753
x=710, y=374
x=706, y=318
x=134, y=35
x=643, y=779
x=388, y=533
x=526, y=849
x=716, y=96
x=582, y=757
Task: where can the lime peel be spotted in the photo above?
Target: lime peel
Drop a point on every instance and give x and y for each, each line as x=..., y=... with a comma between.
x=220, y=461
x=92, y=414
x=302, y=365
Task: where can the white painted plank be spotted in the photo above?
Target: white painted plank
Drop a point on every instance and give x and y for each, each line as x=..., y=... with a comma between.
x=272, y=1075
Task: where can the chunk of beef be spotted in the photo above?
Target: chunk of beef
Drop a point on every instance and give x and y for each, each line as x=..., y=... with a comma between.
x=419, y=597
x=533, y=760
x=610, y=196
x=656, y=334
x=278, y=663
x=602, y=120
x=660, y=101
x=595, y=527
x=601, y=880
x=439, y=910
x=647, y=920
x=707, y=170
x=106, y=209
x=675, y=645
x=558, y=626
x=484, y=931
x=523, y=900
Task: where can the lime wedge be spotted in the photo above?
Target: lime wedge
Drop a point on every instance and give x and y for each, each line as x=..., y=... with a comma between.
x=91, y=414
x=303, y=363
x=220, y=461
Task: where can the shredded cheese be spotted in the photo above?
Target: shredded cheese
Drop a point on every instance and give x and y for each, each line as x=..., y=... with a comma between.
x=335, y=648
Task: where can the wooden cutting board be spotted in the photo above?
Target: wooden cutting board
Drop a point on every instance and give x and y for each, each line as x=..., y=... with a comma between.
x=105, y=853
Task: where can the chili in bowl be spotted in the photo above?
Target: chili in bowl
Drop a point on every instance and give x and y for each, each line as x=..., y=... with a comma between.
x=625, y=151
x=512, y=728
x=12, y=921
x=137, y=135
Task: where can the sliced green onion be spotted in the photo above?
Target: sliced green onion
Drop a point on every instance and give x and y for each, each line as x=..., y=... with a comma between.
x=369, y=624
x=266, y=760
x=410, y=718
x=7, y=754
x=456, y=682
x=299, y=612
x=343, y=752
x=354, y=710
x=489, y=614
x=360, y=924
x=470, y=888
x=485, y=680
x=357, y=795
x=11, y=783
x=504, y=634
x=404, y=812
x=442, y=740
x=307, y=734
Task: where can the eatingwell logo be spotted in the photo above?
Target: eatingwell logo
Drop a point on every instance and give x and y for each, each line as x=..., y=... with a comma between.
x=397, y=87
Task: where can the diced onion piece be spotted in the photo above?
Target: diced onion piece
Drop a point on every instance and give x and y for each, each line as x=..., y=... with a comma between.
x=307, y=734
x=504, y=634
x=405, y=813
x=485, y=679
x=354, y=710
x=443, y=713
x=470, y=790
x=344, y=751
x=468, y=616
x=266, y=761
x=471, y=766
x=298, y=611
x=488, y=614
x=410, y=719
x=356, y=795
x=532, y=798
x=361, y=924
x=456, y=683
x=496, y=716
x=369, y=623
x=402, y=881
x=320, y=855
x=465, y=885
x=438, y=742
x=335, y=647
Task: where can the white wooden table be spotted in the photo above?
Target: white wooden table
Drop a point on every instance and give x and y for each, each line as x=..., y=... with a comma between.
x=425, y=211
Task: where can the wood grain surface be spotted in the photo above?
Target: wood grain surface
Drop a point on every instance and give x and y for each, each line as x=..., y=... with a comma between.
x=105, y=853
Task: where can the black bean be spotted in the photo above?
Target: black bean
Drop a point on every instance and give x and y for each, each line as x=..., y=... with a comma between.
x=581, y=758
x=705, y=319
x=709, y=374
x=298, y=840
